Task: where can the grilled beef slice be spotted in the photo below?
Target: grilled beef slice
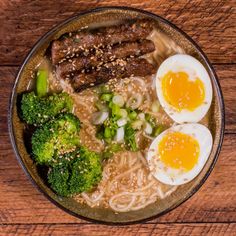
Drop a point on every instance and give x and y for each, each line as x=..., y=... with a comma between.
x=126, y=49
x=117, y=69
x=86, y=40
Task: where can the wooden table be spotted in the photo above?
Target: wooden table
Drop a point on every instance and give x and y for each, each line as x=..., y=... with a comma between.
x=211, y=211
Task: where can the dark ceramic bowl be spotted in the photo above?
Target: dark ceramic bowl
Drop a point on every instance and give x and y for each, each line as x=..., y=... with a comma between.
x=215, y=117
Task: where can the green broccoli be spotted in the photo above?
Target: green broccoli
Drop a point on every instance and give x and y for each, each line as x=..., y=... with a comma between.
x=58, y=136
x=80, y=171
x=58, y=178
x=86, y=171
x=36, y=110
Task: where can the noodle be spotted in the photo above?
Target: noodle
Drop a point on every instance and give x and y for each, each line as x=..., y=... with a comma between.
x=127, y=183
x=126, y=189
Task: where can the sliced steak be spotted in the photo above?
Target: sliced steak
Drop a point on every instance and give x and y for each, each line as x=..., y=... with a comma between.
x=86, y=40
x=133, y=49
x=117, y=69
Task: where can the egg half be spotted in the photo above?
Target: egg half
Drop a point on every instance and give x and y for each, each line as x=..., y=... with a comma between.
x=184, y=88
x=178, y=154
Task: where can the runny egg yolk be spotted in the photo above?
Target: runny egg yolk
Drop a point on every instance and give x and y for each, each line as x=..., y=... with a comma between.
x=179, y=151
x=181, y=92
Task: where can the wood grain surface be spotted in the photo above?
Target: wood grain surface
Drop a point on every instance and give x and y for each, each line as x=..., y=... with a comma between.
x=211, y=211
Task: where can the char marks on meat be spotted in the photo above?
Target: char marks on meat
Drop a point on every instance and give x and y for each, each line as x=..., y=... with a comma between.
x=117, y=69
x=100, y=56
x=92, y=57
x=86, y=40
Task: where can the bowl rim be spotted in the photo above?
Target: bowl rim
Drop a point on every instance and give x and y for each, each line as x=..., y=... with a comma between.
x=41, y=40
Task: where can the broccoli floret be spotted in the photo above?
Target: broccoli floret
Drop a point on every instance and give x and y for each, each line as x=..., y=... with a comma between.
x=58, y=136
x=36, y=110
x=78, y=171
x=58, y=179
x=86, y=171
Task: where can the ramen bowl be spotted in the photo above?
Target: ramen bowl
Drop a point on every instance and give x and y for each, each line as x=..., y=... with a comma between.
x=16, y=128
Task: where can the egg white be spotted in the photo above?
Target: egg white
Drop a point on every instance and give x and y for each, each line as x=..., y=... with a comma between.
x=171, y=176
x=190, y=65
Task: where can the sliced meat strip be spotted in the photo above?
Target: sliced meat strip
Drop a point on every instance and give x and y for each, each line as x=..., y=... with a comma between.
x=85, y=40
x=118, y=69
x=101, y=56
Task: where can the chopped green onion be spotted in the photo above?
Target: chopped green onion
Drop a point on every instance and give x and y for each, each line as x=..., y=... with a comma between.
x=123, y=113
x=118, y=100
x=155, y=106
x=137, y=124
x=135, y=101
x=101, y=106
x=99, y=117
x=122, y=122
x=141, y=116
x=133, y=115
x=119, y=137
x=107, y=132
x=147, y=128
x=99, y=135
x=108, y=140
x=106, y=97
x=115, y=110
x=157, y=130
x=111, y=149
x=130, y=138
x=42, y=82
x=150, y=119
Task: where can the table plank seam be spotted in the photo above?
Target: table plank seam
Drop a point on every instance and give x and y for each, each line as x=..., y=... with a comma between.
x=119, y=225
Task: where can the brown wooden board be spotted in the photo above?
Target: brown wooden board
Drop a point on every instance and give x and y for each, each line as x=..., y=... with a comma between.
x=216, y=229
x=211, y=23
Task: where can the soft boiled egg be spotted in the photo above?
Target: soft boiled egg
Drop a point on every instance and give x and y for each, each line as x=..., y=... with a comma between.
x=184, y=88
x=178, y=154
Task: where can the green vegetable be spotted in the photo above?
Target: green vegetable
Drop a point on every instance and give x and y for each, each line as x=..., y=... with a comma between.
x=86, y=171
x=107, y=133
x=58, y=178
x=133, y=115
x=37, y=110
x=137, y=124
x=155, y=106
x=111, y=123
x=80, y=174
x=123, y=113
x=107, y=130
x=100, y=132
x=101, y=106
x=55, y=137
x=106, y=97
x=111, y=149
x=118, y=100
x=108, y=140
x=115, y=110
x=130, y=138
x=42, y=82
x=157, y=130
x=151, y=120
